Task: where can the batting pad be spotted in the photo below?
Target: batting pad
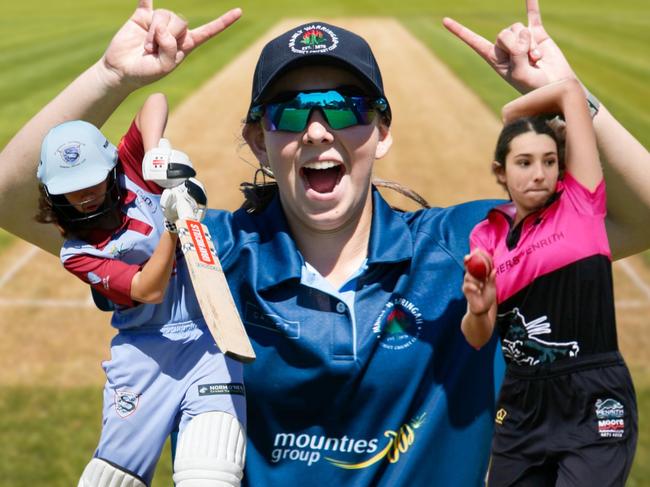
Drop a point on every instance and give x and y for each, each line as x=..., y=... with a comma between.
x=99, y=473
x=210, y=452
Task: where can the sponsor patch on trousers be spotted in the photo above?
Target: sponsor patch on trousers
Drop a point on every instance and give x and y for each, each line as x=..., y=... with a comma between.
x=218, y=389
x=610, y=416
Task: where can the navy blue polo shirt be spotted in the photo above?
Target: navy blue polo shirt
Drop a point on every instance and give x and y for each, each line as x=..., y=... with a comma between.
x=392, y=397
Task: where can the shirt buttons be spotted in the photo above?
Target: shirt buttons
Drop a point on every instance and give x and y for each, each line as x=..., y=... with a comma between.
x=340, y=307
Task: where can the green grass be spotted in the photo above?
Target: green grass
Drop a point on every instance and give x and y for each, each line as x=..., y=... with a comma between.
x=49, y=435
x=46, y=44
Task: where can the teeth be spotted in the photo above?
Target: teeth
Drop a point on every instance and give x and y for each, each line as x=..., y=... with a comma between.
x=322, y=165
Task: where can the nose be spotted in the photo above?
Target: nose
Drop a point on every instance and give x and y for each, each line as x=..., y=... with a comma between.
x=318, y=130
x=539, y=174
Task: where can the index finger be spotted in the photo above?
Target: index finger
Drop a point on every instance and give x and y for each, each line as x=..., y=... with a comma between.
x=534, y=15
x=207, y=31
x=481, y=45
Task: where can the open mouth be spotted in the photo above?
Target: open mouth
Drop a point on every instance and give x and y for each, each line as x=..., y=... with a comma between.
x=322, y=177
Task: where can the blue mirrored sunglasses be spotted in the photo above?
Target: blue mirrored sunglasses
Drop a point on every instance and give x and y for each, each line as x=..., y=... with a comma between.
x=341, y=111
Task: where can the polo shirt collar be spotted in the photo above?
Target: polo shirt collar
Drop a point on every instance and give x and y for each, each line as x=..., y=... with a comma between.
x=390, y=236
x=280, y=259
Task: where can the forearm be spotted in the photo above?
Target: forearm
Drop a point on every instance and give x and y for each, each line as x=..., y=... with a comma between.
x=626, y=164
x=149, y=285
x=478, y=328
x=152, y=120
x=93, y=96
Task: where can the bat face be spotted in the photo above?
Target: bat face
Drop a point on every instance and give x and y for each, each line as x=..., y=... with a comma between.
x=201, y=245
x=212, y=291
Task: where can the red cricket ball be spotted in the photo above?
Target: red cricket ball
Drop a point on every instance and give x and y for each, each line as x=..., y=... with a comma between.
x=479, y=266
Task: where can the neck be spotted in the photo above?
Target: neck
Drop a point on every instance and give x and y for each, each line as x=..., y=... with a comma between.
x=339, y=253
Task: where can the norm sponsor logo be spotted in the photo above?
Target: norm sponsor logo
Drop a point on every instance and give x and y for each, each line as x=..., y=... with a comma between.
x=219, y=389
x=200, y=242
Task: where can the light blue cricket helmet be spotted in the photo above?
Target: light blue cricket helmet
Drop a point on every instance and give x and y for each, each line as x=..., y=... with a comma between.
x=75, y=155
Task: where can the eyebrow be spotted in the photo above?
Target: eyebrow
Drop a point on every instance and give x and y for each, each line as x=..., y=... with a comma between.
x=551, y=153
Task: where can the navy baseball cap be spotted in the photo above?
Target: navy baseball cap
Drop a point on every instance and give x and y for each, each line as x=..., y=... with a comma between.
x=315, y=43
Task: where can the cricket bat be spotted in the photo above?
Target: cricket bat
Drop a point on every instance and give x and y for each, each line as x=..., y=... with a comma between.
x=212, y=291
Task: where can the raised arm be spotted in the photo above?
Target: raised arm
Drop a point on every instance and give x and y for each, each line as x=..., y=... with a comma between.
x=151, y=120
x=151, y=44
x=527, y=58
x=565, y=97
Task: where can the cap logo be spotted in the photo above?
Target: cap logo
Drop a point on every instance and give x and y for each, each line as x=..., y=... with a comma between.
x=70, y=154
x=313, y=39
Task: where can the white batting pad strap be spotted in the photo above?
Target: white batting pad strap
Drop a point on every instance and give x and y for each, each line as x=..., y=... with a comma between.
x=99, y=473
x=210, y=452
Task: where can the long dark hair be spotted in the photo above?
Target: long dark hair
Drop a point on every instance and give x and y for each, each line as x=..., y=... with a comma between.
x=540, y=124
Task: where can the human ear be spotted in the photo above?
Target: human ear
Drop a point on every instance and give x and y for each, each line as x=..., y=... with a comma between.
x=254, y=137
x=500, y=171
x=385, y=141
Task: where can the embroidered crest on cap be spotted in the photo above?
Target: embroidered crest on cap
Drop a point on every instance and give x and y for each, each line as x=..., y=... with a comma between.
x=70, y=154
x=313, y=39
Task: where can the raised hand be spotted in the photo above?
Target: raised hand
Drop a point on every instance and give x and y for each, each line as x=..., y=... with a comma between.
x=480, y=293
x=526, y=57
x=153, y=42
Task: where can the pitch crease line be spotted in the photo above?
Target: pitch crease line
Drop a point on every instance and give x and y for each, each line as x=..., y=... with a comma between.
x=22, y=261
x=635, y=278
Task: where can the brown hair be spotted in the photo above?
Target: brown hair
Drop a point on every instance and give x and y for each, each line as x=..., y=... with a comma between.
x=46, y=213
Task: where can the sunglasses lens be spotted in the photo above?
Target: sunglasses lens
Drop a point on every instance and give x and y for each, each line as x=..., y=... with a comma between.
x=341, y=118
x=340, y=111
x=293, y=119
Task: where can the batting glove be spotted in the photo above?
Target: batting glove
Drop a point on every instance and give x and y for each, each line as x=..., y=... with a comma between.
x=186, y=201
x=165, y=166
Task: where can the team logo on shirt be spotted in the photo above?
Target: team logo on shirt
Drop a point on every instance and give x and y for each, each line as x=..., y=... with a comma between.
x=146, y=199
x=313, y=38
x=118, y=250
x=521, y=344
x=610, y=416
x=126, y=402
x=399, y=324
x=311, y=449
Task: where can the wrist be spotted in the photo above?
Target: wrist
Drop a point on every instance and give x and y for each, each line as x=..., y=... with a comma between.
x=171, y=227
x=110, y=80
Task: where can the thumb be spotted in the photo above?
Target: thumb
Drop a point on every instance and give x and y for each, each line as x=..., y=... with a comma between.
x=164, y=144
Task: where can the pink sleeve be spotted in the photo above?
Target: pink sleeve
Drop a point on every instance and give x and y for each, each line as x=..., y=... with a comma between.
x=110, y=277
x=131, y=153
x=481, y=238
x=584, y=201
